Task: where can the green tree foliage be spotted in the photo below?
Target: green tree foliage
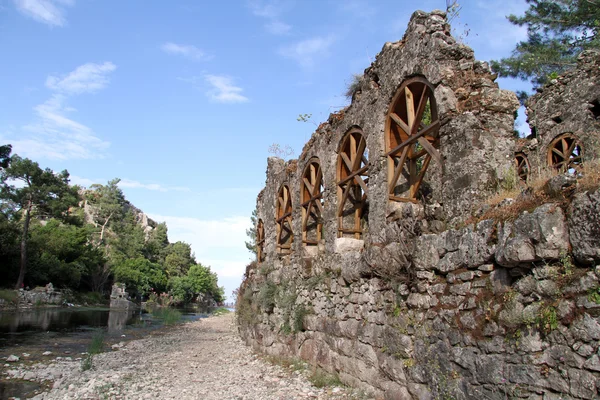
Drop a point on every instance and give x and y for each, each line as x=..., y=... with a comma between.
x=106, y=203
x=45, y=237
x=557, y=31
x=179, y=259
x=127, y=240
x=251, y=233
x=141, y=276
x=199, y=280
x=62, y=253
x=40, y=192
x=157, y=244
x=5, y=155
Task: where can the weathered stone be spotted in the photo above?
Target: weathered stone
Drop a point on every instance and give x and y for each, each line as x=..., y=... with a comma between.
x=460, y=289
x=412, y=304
x=541, y=235
x=421, y=301
x=584, y=227
x=344, y=245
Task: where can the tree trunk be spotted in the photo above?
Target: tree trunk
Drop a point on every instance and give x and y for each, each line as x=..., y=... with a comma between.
x=104, y=227
x=24, y=245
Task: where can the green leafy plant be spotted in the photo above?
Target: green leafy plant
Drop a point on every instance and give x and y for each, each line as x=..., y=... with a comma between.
x=266, y=296
x=547, y=319
x=594, y=295
x=168, y=316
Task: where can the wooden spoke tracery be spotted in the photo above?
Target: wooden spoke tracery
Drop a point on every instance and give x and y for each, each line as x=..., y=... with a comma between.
x=522, y=166
x=565, y=152
x=311, y=198
x=412, y=138
x=260, y=240
x=285, y=236
x=352, y=179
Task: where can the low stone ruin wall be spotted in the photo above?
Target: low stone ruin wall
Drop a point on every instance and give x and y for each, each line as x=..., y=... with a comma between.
x=380, y=258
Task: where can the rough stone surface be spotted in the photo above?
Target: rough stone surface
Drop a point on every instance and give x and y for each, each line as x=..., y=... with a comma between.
x=571, y=104
x=433, y=301
x=542, y=234
x=200, y=360
x=584, y=226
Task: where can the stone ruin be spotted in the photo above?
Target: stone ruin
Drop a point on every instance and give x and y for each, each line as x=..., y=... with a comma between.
x=379, y=258
x=119, y=298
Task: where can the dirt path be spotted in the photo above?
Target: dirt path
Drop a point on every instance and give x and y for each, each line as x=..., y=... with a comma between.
x=200, y=360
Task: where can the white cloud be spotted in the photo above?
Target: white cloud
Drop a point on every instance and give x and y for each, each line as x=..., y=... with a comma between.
x=358, y=8
x=54, y=135
x=305, y=51
x=278, y=28
x=87, y=78
x=223, y=90
x=216, y=243
x=78, y=180
x=266, y=9
x=128, y=183
x=206, y=235
x=185, y=50
x=50, y=12
x=271, y=10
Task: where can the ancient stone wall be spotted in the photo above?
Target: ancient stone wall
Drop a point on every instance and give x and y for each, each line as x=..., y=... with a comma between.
x=379, y=260
x=565, y=118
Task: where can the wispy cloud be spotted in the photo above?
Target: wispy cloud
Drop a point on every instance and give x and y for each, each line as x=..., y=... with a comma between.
x=223, y=90
x=87, y=78
x=51, y=12
x=358, y=8
x=185, y=50
x=128, y=183
x=271, y=10
x=54, y=134
x=278, y=28
x=306, y=51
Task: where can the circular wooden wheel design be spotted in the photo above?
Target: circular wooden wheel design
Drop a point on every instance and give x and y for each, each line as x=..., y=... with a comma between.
x=522, y=166
x=412, y=138
x=260, y=240
x=285, y=235
x=565, y=152
x=311, y=192
x=352, y=179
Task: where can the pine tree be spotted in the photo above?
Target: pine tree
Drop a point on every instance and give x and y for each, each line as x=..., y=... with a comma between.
x=39, y=191
x=557, y=32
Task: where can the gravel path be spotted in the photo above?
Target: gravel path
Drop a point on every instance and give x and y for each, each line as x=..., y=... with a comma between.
x=205, y=360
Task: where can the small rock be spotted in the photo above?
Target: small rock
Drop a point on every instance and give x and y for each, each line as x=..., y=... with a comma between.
x=12, y=358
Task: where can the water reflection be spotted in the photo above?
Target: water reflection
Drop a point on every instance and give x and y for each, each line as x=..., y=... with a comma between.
x=51, y=319
x=117, y=319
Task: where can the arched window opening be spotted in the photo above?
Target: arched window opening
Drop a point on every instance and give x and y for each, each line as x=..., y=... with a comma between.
x=260, y=241
x=565, y=152
x=312, y=203
x=352, y=179
x=285, y=236
x=522, y=166
x=411, y=138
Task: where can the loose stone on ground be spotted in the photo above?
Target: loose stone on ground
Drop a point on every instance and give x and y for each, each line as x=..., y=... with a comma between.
x=205, y=359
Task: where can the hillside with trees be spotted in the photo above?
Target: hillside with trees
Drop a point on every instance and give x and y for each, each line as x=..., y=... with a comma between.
x=84, y=240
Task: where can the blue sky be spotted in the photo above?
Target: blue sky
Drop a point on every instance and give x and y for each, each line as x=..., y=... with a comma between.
x=182, y=99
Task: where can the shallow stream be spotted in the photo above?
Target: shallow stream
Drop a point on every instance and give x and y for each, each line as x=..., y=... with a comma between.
x=66, y=332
